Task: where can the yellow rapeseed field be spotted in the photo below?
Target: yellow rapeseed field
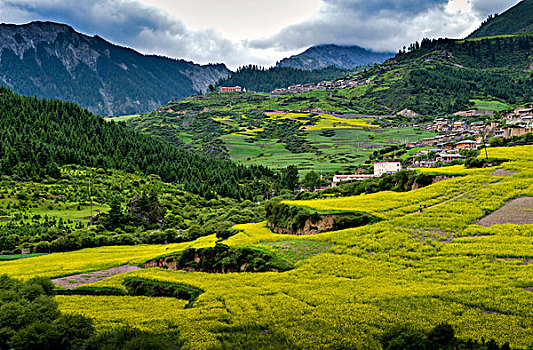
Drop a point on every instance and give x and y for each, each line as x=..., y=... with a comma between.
x=414, y=269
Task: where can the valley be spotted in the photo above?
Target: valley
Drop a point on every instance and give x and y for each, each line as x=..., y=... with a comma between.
x=344, y=198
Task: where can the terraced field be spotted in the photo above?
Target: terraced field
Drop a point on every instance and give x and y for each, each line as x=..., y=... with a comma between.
x=324, y=141
x=348, y=287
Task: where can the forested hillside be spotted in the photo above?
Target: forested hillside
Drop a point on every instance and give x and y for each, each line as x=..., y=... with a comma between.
x=52, y=60
x=442, y=76
x=259, y=79
x=518, y=19
x=38, y=135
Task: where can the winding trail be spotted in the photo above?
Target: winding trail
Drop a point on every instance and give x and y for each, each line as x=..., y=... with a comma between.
x=74, y=281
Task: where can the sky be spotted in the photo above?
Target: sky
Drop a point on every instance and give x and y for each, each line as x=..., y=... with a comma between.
x=241, y=32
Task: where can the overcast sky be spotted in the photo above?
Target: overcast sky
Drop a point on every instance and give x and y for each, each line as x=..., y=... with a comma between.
x=239, y=32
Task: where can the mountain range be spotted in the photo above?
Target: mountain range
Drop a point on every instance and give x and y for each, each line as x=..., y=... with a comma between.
x=52, y=60
x=346, y=57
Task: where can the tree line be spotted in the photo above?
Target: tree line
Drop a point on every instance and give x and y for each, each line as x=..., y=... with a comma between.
x=261, y=79
x=37, y=136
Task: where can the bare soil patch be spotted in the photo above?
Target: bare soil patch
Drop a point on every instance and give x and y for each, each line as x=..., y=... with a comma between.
x=503, y=172
x=516, y=211
x=74, y=281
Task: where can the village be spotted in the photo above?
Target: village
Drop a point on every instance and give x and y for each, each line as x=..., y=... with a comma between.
x=335, y=84
x=455, y=136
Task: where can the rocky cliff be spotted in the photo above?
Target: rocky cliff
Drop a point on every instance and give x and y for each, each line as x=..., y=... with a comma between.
x=52, y=60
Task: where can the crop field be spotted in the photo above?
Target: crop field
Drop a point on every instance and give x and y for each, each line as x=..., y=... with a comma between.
x=312, y=141
x=415, y=268
x=348, y=147
x=122, y=118
x=490, y=105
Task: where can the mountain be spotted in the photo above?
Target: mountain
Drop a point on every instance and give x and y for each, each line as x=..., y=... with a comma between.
x=52, y=60
x=322, y=56
x=517, y=19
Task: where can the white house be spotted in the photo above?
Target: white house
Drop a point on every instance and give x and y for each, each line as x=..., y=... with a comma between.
x=392, y=167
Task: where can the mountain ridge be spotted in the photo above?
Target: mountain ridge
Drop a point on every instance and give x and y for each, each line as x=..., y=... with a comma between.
x=341, y=56
x=53, y=60
x=517, y=19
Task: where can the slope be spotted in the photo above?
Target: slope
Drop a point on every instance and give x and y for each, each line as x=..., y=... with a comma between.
x=412, y=270
x=38, y=135
x=322, y=56
x=52, y=60
x=517, y=19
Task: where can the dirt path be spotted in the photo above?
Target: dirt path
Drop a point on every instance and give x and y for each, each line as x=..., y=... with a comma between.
x=516, y=211
x=74, y=281
x=503, y=172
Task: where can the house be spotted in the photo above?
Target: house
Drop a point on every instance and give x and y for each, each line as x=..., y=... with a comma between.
x=466, y=144
x=441, y=124
x=499, y=133
x=425, y=163
x=448, y=157
x=429, y=142
x=352, y=177
x=225, y=89
x=459, y=125
x=524, y=112
x=381, y=168
x=516, y=130
x=447, y=146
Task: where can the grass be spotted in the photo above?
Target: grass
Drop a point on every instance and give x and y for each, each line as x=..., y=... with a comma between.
x=490, y=105
x=10, y=257
x=122, y=118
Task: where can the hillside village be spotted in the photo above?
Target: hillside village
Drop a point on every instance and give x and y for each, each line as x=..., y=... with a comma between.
x=455, y=136
x=334, y=84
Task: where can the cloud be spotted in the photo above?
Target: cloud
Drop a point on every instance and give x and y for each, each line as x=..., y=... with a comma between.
x=485, y=7
x=382, y=24
x=378, y=24
x=131, y=23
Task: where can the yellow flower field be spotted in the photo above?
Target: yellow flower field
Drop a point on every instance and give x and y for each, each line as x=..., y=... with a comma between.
x=415, y=269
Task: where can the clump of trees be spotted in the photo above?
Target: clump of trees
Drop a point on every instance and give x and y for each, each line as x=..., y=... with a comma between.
x=30, y=319
x=224, y=259
x=441, y=336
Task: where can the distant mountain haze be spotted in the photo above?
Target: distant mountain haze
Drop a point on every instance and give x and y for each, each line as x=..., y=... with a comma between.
x=52, y=60
x=346, y=57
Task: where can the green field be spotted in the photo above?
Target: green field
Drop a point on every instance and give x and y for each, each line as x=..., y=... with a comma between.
x=345, y=150
x=312, y=141
x=490, y=105
x=122, y=118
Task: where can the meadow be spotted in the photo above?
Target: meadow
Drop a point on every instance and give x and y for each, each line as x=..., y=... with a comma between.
x=414, y=269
